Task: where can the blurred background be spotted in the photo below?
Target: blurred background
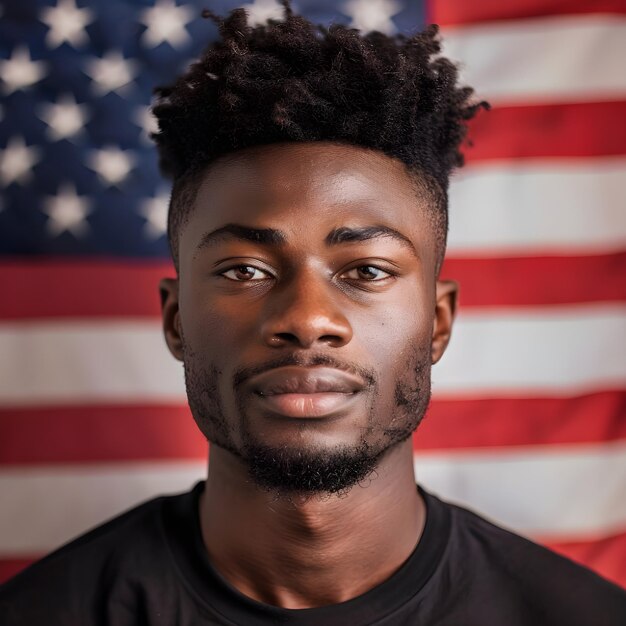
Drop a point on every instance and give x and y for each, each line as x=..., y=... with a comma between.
x=528, y=421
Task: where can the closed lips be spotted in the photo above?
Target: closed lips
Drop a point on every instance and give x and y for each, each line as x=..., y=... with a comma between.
x=300, y=380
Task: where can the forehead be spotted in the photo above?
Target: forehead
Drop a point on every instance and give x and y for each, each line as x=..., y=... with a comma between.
x=337, y=173
x=303, y=188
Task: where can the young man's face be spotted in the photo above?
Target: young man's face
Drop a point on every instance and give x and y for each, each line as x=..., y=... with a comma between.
x=307, y=312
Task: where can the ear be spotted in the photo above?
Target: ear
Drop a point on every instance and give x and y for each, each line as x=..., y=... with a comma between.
x=170, y=313
x=445, y=310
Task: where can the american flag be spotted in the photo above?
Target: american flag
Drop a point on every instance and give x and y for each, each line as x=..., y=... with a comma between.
x=527, y=424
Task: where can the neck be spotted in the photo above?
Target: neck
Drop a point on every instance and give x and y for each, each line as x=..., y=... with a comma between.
x=310, y=552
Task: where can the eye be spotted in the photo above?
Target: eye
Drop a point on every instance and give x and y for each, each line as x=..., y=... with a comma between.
x=369, y=273
x=245, y=273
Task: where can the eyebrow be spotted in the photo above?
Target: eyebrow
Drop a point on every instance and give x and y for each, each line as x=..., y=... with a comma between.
x=274, y=237
x=264, y=236
x=345, y=234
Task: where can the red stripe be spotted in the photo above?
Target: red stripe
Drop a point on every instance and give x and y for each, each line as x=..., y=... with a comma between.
x=480, y=423
x=10, y=567
x=79, y=288
x=456, y=12
x=55, y=289
x=607, y=556
x=83, y=434
x=583, y=129
x=518, y=281
x=128, y=433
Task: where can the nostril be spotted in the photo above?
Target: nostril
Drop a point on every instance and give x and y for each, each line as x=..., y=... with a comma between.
x=279, y=339
x=331, y=340
x=283, y=339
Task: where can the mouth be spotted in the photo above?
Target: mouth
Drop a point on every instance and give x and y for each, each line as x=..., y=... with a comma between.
x=306, y=405
x=299, y=392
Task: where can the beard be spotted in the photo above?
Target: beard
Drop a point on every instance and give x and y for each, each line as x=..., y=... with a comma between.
x=289, y=471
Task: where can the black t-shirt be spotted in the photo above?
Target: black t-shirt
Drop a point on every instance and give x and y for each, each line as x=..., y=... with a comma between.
x=149, y=566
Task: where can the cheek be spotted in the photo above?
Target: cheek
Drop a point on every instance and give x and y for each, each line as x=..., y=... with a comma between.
x=204, y=333
x=392, y=335
x=210, y=327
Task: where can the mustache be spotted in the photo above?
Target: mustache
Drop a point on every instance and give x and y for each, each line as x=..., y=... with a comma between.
x=241, y=375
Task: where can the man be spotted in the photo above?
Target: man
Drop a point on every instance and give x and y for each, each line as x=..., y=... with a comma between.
x=307, y=226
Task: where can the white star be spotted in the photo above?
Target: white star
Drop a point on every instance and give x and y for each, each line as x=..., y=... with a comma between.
x=19, y=71
x=112, y=164
x=16, y=161
x=144, y=118
x=65, y=118
x=166, y=22
x=66, y=23
x=369, y=15
x=262, y=10
x=112, y=72
x=67, y=212
x=155, y=212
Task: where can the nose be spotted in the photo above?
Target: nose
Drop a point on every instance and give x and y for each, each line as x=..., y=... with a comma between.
x=302, y=313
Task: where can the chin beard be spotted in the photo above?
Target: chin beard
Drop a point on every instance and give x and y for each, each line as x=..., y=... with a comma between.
x=289, y=471
x=286, y=471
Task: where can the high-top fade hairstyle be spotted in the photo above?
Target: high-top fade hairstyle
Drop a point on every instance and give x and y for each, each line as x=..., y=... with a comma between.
x=291, y=80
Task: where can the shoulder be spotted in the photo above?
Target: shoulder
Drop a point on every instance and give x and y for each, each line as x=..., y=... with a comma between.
x=69, y=581
x=551, y=587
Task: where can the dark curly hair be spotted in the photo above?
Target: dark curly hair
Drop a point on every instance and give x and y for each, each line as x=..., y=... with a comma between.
x=291, y=80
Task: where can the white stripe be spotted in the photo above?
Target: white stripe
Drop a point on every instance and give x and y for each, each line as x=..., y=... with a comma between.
x=564, y=58
x=545, y=492
x=43, y=507
x=549, y=492
x=74, y=362
x=547, y=206
x=549, y=350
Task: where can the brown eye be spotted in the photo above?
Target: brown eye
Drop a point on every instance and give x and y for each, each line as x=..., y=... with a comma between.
x=245, y=273
x=367, y=272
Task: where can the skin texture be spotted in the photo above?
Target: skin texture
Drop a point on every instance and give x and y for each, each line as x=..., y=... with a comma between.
x=369, y=309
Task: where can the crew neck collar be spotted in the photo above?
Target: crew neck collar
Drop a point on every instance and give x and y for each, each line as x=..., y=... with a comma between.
x=184, y=536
